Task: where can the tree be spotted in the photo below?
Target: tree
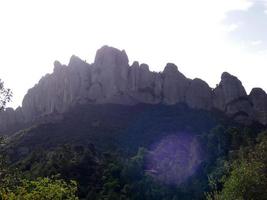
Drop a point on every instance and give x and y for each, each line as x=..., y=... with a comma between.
x=5, y=95
x=14, y=186
x=247, y=178
x=42, y=189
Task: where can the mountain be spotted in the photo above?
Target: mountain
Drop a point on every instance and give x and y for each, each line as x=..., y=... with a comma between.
x=124, y=132
x=111, y=80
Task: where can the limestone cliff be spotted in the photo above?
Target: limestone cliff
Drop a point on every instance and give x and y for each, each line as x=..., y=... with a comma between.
x=258, y=98
x=110, y=79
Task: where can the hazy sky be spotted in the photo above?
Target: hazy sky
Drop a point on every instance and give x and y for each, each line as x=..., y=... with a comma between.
x=202, y=37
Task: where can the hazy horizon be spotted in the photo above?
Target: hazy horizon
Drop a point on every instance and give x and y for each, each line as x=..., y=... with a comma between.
x=203, y=38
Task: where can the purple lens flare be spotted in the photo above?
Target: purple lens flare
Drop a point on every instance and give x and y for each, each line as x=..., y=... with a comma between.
x=174, y=159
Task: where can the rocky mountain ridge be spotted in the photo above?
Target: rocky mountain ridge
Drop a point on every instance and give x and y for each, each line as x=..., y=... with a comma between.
x=110, y=79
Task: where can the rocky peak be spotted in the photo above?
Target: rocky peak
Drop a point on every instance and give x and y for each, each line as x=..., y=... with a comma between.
x=76, y=61
x=135, y=64
x=229, y=89
x=232, y=87
x=110, y=73
x=230, y=97
x=110, y=79
x=144, y=67
x=57, y=67
x=258, y=93
x=226, y=75
x=108, y=56
x=170, y=68
x=174, y=85
x=258, y=98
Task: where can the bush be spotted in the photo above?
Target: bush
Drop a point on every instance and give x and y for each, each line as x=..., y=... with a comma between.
x=41, y=189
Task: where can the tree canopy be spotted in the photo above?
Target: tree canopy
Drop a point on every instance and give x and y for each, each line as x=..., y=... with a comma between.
x=5, y=95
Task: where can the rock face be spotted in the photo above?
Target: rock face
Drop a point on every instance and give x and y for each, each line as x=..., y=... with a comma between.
x=110, y=73
x=199, y=95
x=258, y=98
x=110, y=79
x=229, y=89
x=56, y=92
x=175, y=85
x=230, y=97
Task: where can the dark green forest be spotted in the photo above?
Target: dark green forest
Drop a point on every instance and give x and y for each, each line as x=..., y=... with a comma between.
x=137, y=152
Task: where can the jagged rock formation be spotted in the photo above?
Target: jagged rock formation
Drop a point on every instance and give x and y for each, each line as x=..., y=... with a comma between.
x=175, y=85
x=258, y=98
x=56, y=92
x=229, y=89
x=199, y=95
x=110, y=79
x=231, y=98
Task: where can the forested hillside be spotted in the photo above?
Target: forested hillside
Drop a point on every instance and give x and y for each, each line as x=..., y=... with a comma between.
x=144, y=152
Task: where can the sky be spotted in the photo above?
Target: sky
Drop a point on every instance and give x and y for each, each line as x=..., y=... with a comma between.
x=202, y=37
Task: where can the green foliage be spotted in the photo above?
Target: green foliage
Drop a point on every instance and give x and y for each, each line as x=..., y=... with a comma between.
x=71, y=162
x=9, y=177
x=117, y=175
x=247, y=176
x=41, y=189
x=246, y=181
x=13, y=186
x=5, y=95
x=128, y=179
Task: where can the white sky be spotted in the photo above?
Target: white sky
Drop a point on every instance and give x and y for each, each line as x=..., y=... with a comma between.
x=191, y=33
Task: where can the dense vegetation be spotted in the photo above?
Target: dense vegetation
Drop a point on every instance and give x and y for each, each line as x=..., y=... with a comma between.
x=119, y=152
x=244, y=176
x=14, y=185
